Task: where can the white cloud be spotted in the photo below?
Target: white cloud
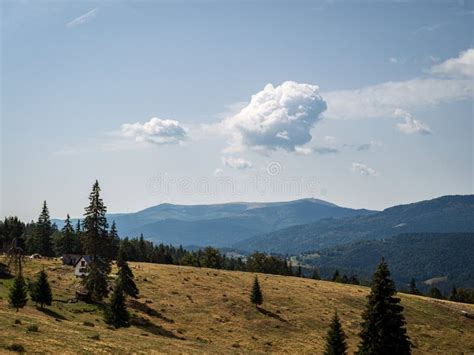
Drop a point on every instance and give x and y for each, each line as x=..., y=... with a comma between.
x=236, y=163
x=83, y=18
x=393, y=60
x=156, y=130
x=277, y=117
x=463, y=65
x=315, y=150
x=363, y=169
x=411, y=126
x=383, y=99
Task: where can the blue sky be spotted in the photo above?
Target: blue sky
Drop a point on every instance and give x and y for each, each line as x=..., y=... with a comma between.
x=370, y=103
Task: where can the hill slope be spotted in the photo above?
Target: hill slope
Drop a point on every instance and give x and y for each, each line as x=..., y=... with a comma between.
x=191, y=310
x=447, y=214
x=422, y=256
x=222, y=224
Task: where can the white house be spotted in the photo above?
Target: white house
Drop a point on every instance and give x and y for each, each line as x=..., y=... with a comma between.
x=82, y=266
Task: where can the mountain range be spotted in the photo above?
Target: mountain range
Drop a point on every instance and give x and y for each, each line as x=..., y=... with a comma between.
x=291, y=227
x=224, y=224
x=447, y=214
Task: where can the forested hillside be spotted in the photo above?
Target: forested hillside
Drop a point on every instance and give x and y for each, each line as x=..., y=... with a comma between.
x=447, y=214
x=447, y=257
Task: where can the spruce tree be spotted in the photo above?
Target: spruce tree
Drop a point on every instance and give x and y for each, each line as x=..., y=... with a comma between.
x=114, y=241
x=95, y=236
x=96, y=243
x=335, y=339
x=336, y=277
x=316, y=275
x=434, y=292
x=116, y=313
x=96, y=281
x=256, y=296
x=41, y=292
x=39, y=241
x=125, y=275
x=65, y=243
x=18, y=296
x=413, y=289
x=383, y=327
x=299, y=271
x=454, y=295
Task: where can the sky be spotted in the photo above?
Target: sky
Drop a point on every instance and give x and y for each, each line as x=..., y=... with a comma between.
x=366, y=104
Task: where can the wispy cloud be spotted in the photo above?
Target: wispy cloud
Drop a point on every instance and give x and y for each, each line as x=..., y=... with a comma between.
x=452, y=82
x=236, y=163
x=83, y=18
x=411, y=126
x=364, y=170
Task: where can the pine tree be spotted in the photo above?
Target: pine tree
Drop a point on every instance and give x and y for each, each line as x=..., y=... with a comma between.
x=316, y=275
x=413, y=289
x=114, y=241
x=65, y=242
x=383, y=327
x=336, y=277
x=78, y=239
x=39, y=241
x=116, y=313
x=125, y=276
x=95, y=236
x=299, y=271
x=335, y=339
x=256, y=296
x=41, y=292
x=96, y=281
x=18, y=296
x=434, y=292
x=454, y=295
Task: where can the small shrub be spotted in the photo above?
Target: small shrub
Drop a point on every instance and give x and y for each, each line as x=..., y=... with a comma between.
x=88, y=324
x=16, y=347
x=32, y=328
x=17, y=321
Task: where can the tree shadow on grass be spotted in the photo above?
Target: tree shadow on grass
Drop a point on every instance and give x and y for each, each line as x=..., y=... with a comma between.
x=271, y=314
x=51, y=313
x=143, y=307
x=148, y=326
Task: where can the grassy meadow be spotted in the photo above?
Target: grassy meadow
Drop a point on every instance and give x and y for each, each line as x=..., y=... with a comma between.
x=192, y=310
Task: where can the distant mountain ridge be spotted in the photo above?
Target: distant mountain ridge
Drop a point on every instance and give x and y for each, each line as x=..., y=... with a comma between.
x=446, y=214
x=223, y=224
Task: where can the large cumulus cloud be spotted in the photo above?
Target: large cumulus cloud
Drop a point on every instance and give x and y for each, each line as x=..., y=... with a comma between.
x=277, y=117
x=156, y=131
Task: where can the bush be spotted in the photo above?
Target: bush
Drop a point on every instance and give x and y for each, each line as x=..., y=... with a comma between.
x=16, y=347
x=32, y=328
x=88, y=324
x=17, y=321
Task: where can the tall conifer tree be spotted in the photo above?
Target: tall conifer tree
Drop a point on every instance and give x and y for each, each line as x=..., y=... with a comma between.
x=116, y=313
x=41, y=292
x=95, y=236
x=256, y=296
x=383, y=327
x=125, y=275
x=335, y=339
x=39, y=241
x=18, y=296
